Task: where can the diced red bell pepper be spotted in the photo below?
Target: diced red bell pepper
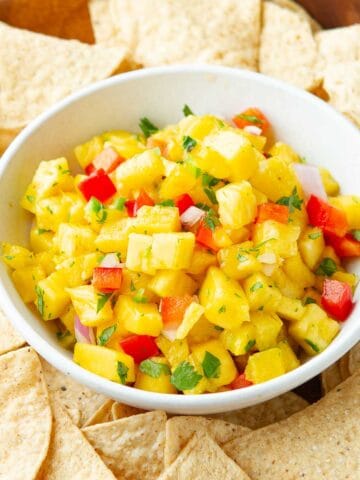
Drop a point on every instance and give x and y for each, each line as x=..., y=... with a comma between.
x=173, y=309
x=240, y=382
x=133, y=206
x=273, y=211
x=328, y=218
x=183, y=202
x=107, y=160
x=89, y=169
x=344, y=246
x=107, y=279
x=336, y=299
x=205, y=238
x=252, y=116
x=157, y=143
x=97, y=185
x=140, y=347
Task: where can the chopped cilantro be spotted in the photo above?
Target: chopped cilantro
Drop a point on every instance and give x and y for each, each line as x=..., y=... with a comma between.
x=314, y=236
x=106, y=334
x=203, y=206
x=312, y=345
x=208, y=180
x=40, y=300
x=241, y=258
x=210, y=220
x=147, y=127
x=185, y=377
x=293, y=201
x=41, y=231
x=249, y=345
x=98, y=208
x=309, y=300
x=211, y=195
x=222, y=309
x=251, y=118
x=327, y=267
x=119, y=204
x=30, y=198
x=211, y=365
x=256, y=286
x=355, y=234
x=167, y=203
x=302, y=160
x=102, y=299
x=196, y=171
x=132, y=286
x=188, y=143
x=61, y=335
x=9, y=257
x=261, y=308
x=217, y=327
x=154, y=369
x=139, y=296
x=187, y=110
x=122, y=371
x=49, y=209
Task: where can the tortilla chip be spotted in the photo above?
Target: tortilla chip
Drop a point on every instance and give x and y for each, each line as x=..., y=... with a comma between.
x=10, y=339
x=25, y=415
x=265, y=413
x=53, y=67
x=104, y=28
x=339, y=45
x=161, y=32
x=331, y=378
x=80, y=402
x=70, y=455
x=321, y=442
x=203, y=459
x=102, y=415
x=179, y=430
x=295, y=7
x=344, y=367
x=342, y=83
x=287, y=47
x=354, y=359
x=132, y=447
x=120, y=410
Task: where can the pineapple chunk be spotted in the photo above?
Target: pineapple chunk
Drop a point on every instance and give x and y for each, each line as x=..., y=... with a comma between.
x=237, y=204
x=175, y=352
x=168, y=283
x=78, y=270
x=52, y=177
x=285, y=285
x=157, y=219
x=86, y=152
x=257, y=141
x=46, y=260
x=117, y=329
x=28, y=201
x=52, y=297
x=285, y=152
x=139, y=318
x=311, y=246
x=240, y=340
x=275, y=178
x=290, y=359
x=330, y=184
x=315, y=331
x=237, y=262
x=192, y=315
x=201, y=260
x=92, y=307
x=264, y=366
x=181, y=179
x=25, y=280
x=151, y=383
x=290, y=309
x=16, y=257
x=224, y=300
x=261, y=293
x=267, y=329
x=349, y=278
x=203, y=331
x=172, y=251
x=68, y=319
x=139, y=172
x=198, y=126
x=202, y=385
x=282, y=239
x=135, y=281
x=350, y=205
x=298, y=272
x=114, y=237
x=126, y=144
x=51, y=212
x=40, y=240
x=139, y=258
x=111, y=364
x=72, y=240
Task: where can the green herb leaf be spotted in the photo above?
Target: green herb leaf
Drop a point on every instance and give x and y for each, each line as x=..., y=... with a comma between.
x=41, y=231
x=98, y=208
x=314, y=236
x=188, y=143
x=220, y=329
x=256, y=286
x=327, y=267
x=204, y=207
x=355, y=234
x=211, y=365
x=122, y=371
x=167, y=203
x=40, y=300
x=106, y=334
x=102, y=299
x=249, y=345
x=147, y=127
x=139, y=296
x=251, y=118
x=211, y=195
x=312, y=345
x=189, y=161
x=210, y=220
x=208, y=180
x=241, y=258
x=154, y=369
x=61, y=335
x=185, y=377
x=132, y=286
x=293, y=202
x=222, y=309
x=187, y=110
x=30, y=198
x=309, y=300
x=119, y=204
x=9, y=257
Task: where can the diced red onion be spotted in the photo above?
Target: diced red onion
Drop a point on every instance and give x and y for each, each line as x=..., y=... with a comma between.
x=169, y=333
x=111, y=260
x=253, y=129
x=191, y=216
x=268, y=269
x=310, y=179
x=267, y=257
x=83, y=334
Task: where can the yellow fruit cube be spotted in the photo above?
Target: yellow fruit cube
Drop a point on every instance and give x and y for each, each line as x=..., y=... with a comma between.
x=72, y=240
x=198, y=126
x=287, y=287
x=280, y=238
x=154, y=376
x=114, y=236
x=267, y=329
x=157, y=219
x=192, y=315
x=264, y=366
x=168, y=283
x=203, y=384
x=290, y=309
x=311, y=246
x=52, y=298
x=28, y=201
x=92, y=307
x=261, y=293
x=40, y=239
x=126, y=144
x=240, y=340
x=237, y=204
x=297, y=271
x=86, y=152
x=181, y=179
x=68, y=319
x=257, y=141
x=46, y=261
x=224, y=300
x=237, y=262
x=285, y=152
x=315, y=331
x=132, y=282
x=330, y=184
x=139, y=253
x=349, y=278
x=16, y=256
x=52, y=177
x=111, y=364
x=350, y=205
x=51, y=212
x=139, y=318
x=78, y=270
x=290, y=359
x=25, y=280
x=108, y=334
x=172, y=250
x=201, y=260
x=175, y=352
x=203, y=331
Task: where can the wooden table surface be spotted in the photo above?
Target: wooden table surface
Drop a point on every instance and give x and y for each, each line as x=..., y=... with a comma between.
x=70, y=18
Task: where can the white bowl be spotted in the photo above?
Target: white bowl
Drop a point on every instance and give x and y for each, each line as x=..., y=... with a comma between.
x=313, y=128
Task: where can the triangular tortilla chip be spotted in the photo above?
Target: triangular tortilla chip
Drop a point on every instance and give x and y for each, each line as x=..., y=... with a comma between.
x=159, y=32
x=339, y=45
x=36, y=71
x=10, y=339
x=133, y=447
x=25, y=415
x=179, y=430
x=80, y=402
x=203, y=459
x=295, y=7
x=105, y=31
x=331, y=378
x=120, y=410
x=102, y=415
x=320, y=442
x=70, y=455
x=354, y=359
x=265, y=413
x=287, y=47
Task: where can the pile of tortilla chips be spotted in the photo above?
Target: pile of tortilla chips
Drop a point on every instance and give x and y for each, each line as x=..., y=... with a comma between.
x=52, y=428
x=276, y=37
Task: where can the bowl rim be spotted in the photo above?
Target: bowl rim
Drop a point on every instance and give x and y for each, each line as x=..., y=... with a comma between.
x=207, y=402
